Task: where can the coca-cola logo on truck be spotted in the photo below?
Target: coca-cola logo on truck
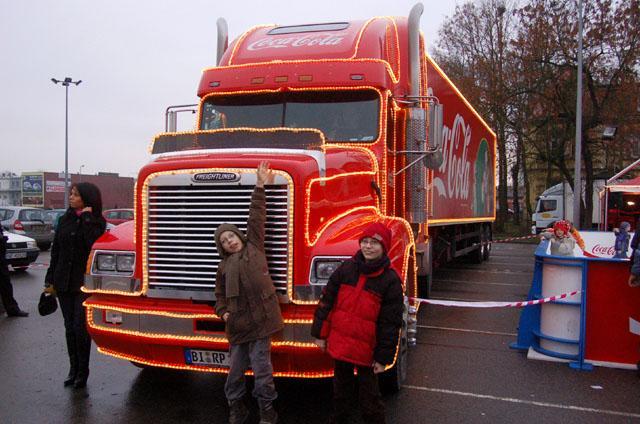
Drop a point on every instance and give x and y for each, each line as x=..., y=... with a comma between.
x=456, y=164
x=308, y=40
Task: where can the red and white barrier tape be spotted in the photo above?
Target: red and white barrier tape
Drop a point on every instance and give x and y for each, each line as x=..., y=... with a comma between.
x=462, y=304
x=506, y=240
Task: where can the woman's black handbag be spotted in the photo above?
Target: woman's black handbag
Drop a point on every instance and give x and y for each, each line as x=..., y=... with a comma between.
x=47, y=304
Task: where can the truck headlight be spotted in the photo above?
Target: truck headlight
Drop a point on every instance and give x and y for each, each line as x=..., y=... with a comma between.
x=112, y=271
x=105, y=262
x=32, y=244
x=113, y=263
x=125, y=263
x=321, y=269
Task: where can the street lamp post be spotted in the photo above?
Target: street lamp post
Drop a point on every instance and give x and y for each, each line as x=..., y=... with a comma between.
x=577, y=181
x=66, y=82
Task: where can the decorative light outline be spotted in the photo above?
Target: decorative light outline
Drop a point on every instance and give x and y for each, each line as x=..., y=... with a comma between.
x=238, y=43
x=307, y=206
x=168, y=336
x=353, y=57
x=180, y=315
x=219, y=370
x=236, y=129
x=145, y=217
x=307, y=62
x=457, y=91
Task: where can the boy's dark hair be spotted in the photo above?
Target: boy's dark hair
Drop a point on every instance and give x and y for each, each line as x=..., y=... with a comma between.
x=91, y=196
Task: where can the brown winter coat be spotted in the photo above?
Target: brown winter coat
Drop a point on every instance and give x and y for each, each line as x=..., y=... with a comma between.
x=255, y=312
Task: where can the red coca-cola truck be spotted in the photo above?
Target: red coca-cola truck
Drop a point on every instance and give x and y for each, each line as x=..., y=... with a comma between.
x=359, y=125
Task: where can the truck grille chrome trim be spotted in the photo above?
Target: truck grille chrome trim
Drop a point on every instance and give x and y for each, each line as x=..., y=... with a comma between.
x=181, y=219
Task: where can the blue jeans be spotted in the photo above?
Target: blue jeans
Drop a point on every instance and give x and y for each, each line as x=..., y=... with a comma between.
x=256, y=354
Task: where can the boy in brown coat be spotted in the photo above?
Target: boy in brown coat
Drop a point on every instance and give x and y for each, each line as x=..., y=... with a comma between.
x=246, y=301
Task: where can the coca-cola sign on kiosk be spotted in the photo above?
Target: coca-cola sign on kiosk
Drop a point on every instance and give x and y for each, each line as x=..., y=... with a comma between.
x=600, y=244
x=606, y=251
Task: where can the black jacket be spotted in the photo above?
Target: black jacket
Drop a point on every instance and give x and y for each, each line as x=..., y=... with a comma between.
x=4, y=265
x=71, y=246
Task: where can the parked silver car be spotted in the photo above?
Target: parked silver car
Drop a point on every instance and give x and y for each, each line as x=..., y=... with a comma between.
x=30, y=222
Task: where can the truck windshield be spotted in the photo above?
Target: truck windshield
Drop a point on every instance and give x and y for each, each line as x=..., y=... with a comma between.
x=340, y=115
x=547, y=205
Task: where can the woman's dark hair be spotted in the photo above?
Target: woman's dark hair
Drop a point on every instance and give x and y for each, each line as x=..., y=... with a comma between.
x=91, y=196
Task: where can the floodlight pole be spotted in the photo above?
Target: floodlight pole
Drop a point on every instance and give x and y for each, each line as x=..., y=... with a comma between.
x=66, y=82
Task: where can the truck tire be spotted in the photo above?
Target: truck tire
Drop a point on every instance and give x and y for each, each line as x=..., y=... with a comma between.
x=391, y=380
x=425, y=282
x=477, y=255
x=424, y=286
x=487, y=243
x=44, y=246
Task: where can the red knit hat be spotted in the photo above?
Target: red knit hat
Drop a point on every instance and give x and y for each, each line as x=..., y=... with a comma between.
x=379, y=232
x=562, y=225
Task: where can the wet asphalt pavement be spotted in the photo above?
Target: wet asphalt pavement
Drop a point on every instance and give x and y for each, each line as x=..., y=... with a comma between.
x=462, y=369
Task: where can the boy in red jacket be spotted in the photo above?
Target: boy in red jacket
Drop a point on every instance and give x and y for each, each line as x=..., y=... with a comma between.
x=358, y=321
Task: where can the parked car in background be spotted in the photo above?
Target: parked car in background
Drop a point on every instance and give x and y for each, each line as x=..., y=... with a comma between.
x=118, y=216
x=21, y=251
x=54, y=215
x=30, y=222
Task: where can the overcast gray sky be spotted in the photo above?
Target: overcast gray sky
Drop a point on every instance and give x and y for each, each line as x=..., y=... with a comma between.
x=134, y=58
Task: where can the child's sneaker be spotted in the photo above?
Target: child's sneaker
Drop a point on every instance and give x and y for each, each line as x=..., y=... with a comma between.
x=268, y=416
x=238, y=412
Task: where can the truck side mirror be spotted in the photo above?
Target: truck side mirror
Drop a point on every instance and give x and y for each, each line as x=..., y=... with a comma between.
x=434, y=156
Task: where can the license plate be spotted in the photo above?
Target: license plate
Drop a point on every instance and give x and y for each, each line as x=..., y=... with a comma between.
x=207, y=357
x=16, y=255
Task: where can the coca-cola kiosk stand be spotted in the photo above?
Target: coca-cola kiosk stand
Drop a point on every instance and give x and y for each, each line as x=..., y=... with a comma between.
x=599, y=325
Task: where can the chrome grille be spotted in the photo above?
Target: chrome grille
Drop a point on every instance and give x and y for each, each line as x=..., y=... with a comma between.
x=182, y=218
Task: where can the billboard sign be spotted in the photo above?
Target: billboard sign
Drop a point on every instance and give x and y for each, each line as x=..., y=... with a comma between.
x=33, y=189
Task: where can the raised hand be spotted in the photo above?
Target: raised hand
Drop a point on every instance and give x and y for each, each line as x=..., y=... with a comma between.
x=263, y=173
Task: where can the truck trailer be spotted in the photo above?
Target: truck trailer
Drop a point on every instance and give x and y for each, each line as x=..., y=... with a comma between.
x=359, y=125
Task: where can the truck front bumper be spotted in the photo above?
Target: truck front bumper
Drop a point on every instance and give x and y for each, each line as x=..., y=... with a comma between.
x=158, y=333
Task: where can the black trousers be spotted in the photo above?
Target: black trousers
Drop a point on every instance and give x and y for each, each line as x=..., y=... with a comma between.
x=371, y=406
x=6, y=291
x=75, y=327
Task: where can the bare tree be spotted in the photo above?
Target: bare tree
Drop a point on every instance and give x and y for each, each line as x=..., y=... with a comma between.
x=547, y=49
x=472, y=47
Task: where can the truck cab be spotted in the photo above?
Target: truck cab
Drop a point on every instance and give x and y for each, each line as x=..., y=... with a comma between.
x=550, y=207
x=353, y=130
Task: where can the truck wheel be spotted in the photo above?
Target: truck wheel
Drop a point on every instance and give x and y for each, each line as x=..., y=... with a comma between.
x=44, y=246
x=477, y=254
x=391, y=380
x=424, y=287
x=425, y=281
x=487, y=243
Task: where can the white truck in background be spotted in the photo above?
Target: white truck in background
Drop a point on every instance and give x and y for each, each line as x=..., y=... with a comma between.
x=556, y=203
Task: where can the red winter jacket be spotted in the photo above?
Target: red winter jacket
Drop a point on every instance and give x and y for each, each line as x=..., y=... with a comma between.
x=360, y=314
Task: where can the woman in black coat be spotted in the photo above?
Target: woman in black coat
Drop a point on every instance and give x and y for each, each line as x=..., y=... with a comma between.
x=77, y=230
